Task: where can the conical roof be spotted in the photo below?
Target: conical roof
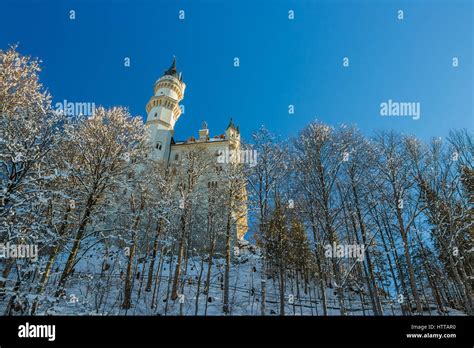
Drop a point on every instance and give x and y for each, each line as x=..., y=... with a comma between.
x=172, y=70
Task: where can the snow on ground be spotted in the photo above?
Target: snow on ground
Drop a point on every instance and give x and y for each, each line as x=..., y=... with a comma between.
x=91, y=291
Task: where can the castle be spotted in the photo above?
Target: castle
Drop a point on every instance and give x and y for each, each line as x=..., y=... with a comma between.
x=163, y=111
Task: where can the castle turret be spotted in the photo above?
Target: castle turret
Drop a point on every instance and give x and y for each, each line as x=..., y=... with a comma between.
x=233, y=134
x=163, y=111
x=204, y=132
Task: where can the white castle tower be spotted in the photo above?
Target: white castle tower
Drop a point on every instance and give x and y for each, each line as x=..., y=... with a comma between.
x=163, y=111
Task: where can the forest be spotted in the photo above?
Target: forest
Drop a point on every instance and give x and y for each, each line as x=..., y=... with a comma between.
x=115, y=231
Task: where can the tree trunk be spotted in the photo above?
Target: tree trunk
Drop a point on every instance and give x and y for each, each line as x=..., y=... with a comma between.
x=49, y=264
x=153, y=258
x=177, y=273
x=372, y=283
x=226, y=307
x=77, y=243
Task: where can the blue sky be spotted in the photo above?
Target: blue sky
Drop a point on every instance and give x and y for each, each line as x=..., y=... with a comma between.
x=282, y=61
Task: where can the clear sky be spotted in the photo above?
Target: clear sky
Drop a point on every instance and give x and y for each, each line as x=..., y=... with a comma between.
x=282, y=62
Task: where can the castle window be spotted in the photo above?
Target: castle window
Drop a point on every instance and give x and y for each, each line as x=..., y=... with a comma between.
x=176, y=157
x=156, y=114
x=158, y=146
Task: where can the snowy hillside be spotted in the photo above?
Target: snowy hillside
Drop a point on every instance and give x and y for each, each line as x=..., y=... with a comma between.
x=91, y=291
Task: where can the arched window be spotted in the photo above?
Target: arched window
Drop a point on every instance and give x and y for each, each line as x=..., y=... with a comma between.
x=158, y=145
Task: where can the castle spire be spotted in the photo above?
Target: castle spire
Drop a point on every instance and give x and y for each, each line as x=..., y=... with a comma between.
x=231, y=124
x=163, y=111
x=172, y=69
